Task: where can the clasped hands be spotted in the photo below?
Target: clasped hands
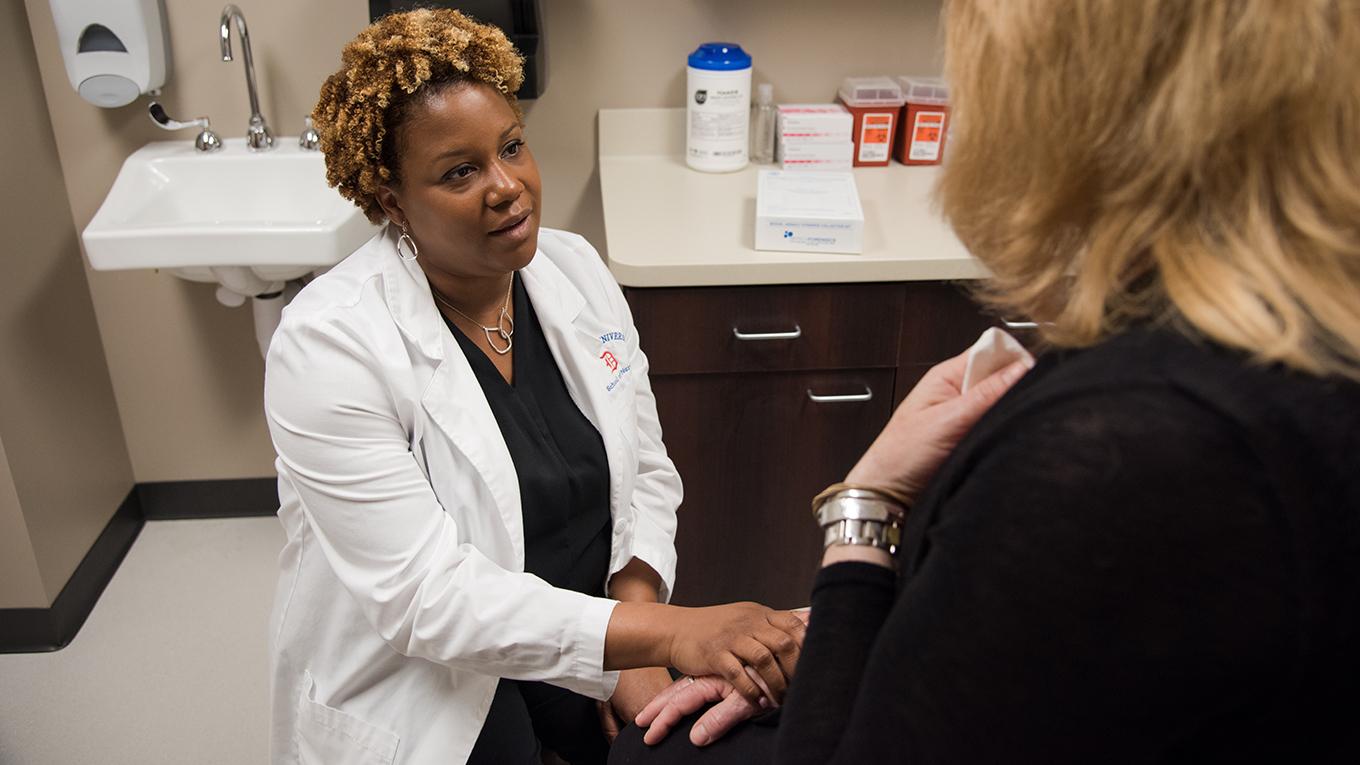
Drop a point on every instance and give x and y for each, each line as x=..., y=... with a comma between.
x=690, y=694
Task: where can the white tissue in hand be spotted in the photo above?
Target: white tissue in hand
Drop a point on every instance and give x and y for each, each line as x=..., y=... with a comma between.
x=993, y=351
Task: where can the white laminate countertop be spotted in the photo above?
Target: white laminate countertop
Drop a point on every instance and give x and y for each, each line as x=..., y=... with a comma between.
x=669, y=226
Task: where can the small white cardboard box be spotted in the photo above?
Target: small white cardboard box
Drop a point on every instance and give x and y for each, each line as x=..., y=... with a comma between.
x=796, y=155
x=808, y=212
x=814, y=122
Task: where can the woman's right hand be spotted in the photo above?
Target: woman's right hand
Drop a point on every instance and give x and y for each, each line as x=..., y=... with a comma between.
x=725, y=640
x=714, y=640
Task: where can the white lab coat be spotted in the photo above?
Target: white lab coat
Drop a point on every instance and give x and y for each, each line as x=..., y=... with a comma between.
x=402, y=595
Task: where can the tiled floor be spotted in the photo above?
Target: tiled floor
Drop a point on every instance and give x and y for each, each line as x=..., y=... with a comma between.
x=171, y=666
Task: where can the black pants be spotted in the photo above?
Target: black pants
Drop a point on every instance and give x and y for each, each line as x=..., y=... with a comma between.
x=526, y=717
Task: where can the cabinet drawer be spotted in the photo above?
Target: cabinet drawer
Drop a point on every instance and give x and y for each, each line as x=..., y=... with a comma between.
x=785, y=327
x=752, y=450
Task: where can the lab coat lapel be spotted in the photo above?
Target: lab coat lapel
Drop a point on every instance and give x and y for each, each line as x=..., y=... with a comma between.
x=457, y=406
x=453, y=399
x=563, y=313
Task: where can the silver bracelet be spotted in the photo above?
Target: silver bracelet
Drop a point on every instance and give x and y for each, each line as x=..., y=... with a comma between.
x=857, y=517
x=884, y=536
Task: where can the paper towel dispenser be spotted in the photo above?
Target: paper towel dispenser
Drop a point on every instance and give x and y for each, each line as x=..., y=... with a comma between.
x=520, y=19
x=114, y=50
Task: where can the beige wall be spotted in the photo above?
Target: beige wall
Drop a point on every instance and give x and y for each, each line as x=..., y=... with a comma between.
x=20, y=583
x=185, y=370
x=66, y=467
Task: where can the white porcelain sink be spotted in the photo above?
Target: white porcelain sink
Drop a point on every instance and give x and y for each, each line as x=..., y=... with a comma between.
x=251, y=222
x=203, y=215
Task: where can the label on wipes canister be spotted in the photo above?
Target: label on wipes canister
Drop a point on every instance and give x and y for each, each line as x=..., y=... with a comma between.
x=716, y=137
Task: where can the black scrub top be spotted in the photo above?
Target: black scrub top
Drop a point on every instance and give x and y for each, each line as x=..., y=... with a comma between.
x=558, y=455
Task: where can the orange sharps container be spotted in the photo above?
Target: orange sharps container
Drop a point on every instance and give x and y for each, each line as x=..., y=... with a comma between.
x=924, y=126
x=875, y=104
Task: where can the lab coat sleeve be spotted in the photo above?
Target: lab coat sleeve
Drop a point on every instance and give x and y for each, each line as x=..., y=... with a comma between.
x=344, y=451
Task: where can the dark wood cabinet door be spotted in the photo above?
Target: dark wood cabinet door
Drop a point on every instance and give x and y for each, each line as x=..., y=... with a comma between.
x=752, y=450
x=940, y=320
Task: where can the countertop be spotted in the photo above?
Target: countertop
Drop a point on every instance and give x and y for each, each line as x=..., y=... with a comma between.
x=669, y=226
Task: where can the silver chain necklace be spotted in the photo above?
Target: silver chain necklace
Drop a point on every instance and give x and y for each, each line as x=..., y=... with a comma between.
x=500, y=329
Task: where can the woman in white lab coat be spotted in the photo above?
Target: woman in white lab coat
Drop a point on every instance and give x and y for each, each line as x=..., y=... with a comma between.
x=479, y=508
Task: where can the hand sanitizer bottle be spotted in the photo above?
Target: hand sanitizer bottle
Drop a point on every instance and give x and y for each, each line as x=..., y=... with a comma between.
x=763, y=115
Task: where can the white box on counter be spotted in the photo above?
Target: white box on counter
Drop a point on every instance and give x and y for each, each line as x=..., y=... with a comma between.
x=814, y=122
x=808, y=212
x=797, y=155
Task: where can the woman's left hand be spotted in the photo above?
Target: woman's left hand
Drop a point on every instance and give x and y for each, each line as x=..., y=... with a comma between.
x=636, y=689
x=926, y=427
x=687, y=696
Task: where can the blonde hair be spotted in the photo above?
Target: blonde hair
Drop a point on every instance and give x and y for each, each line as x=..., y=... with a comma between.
x=1186, y=162
x=392, y=63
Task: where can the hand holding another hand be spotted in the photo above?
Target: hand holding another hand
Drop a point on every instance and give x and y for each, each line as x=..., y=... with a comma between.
x=690, y=694
x=725, y=640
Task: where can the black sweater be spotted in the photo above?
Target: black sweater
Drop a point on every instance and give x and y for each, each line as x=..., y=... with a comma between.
x=1148, y=551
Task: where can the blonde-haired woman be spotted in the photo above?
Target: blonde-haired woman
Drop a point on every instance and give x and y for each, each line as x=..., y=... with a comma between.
x=1149, y=549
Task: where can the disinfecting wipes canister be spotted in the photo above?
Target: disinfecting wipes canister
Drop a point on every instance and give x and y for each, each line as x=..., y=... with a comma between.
x=718, y=113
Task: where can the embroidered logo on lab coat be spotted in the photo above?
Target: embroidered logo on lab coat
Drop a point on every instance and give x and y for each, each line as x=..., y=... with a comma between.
x=611, y=347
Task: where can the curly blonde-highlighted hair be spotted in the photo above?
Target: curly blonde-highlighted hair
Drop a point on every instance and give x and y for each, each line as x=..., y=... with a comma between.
x=1191, y=163
x=395, y=62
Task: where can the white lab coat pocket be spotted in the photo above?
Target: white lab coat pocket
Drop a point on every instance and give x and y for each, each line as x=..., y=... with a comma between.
x=328, y=736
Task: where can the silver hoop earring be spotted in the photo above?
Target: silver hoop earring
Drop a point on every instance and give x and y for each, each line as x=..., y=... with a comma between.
x=411, y=243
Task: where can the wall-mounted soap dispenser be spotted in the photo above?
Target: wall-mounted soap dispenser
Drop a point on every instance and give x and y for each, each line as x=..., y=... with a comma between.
x=115, y=50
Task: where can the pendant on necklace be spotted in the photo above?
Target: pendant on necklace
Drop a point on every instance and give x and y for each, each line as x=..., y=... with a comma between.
x=500, y=330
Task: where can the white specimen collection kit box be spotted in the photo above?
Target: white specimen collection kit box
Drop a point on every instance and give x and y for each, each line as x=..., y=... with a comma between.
x=808, y=212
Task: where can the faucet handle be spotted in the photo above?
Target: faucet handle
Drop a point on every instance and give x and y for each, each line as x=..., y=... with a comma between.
x=206, y=140
x=310, y=140
x=258, y=135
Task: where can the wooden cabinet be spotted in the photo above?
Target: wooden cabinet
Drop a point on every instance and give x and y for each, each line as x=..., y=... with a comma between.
x=752, y=450
x=768, y=394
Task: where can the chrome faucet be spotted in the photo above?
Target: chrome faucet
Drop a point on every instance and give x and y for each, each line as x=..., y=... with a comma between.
x=258, y=137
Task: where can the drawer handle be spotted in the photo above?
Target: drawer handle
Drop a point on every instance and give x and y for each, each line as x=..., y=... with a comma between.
x=792, y=334
x=1020, y=324
x=849, y=398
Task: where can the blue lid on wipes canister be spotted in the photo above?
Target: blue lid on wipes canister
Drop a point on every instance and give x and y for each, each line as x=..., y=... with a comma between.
x=720, y=56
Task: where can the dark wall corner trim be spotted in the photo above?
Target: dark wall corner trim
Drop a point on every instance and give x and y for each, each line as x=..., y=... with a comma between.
x=224, y=498
x=32, y=630
x=28, y=630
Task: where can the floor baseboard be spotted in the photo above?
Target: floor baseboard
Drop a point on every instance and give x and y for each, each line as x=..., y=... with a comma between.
x=223, y=498
x=32, y=630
